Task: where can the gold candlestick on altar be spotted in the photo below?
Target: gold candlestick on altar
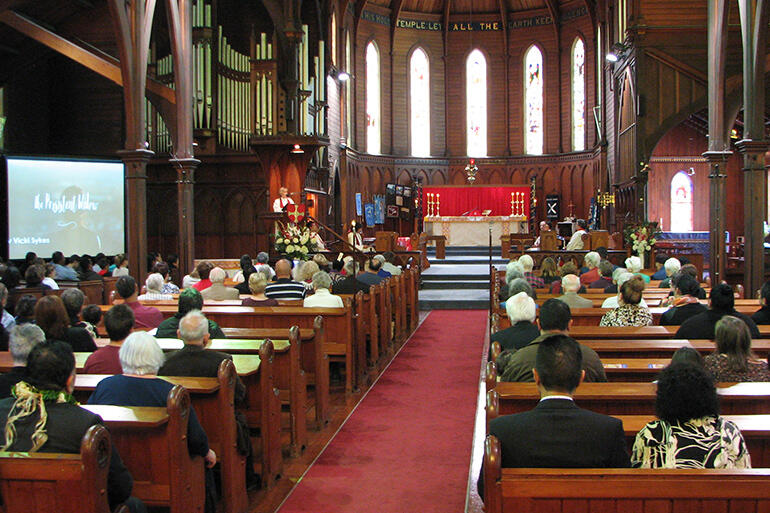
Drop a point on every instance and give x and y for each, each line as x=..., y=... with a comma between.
x=521, y=203
x=513, y=205
x=438, y=205
x=430, y=211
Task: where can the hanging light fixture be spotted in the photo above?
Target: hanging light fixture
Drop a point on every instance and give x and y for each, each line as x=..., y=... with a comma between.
x=471, y=170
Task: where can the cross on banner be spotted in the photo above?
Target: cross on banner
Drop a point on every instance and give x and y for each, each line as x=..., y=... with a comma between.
x=296, y=213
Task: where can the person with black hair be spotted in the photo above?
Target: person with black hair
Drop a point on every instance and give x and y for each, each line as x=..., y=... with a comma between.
x=721, y=303
x=118, y=321
x=189, y=300
x=690, y=432
x=241, y=278
x=762, y=316
x=555, y=319
x=685, y=303
x=25, y=309
x=87, y=272
x=51, y=316
x=42, y=416
x=144, y=316
x=687, y=355
x=660, y=271
x=557, y=433
x=63, y=271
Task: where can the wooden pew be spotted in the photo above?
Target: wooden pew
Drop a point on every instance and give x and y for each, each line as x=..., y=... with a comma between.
x=92, y=289
x=214, y=403
x=58, y=483
x=314, y=362
x=338, y=325
x=623, y=370
x=629, y=398
x=619, y=490
x=153, y=445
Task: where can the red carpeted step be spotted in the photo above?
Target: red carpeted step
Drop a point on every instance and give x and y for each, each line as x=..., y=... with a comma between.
x=407, y=446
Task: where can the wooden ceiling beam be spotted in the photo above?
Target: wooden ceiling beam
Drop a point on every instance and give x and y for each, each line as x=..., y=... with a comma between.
x=395, y=12
x=359, y=9
x=445, y=19
x=6, y=5
x=103, y=64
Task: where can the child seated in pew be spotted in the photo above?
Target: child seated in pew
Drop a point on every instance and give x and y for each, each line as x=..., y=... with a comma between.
x=91, y=316
x=140, y=358
x=690, y=432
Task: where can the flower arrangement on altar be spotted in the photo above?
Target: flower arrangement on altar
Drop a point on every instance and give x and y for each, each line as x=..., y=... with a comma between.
x=641, y=237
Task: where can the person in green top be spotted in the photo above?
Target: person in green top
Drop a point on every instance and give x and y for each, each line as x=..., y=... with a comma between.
x=189, y=299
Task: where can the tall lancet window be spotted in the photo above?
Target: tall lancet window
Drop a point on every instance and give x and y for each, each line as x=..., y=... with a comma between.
x=419, y=103
x=533, y=98
x=681, y=203
x=578, y=96
x=372, y=99
x=348, y=92
x=476, y=102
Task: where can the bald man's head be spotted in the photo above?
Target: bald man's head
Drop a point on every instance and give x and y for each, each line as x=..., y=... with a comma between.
x=283, y=269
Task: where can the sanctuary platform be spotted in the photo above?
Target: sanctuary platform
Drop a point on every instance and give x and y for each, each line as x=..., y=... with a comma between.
x=461, y=280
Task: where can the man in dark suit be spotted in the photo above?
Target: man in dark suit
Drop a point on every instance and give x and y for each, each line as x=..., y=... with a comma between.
x=557, y=433
x=721, y=303
x=351, y=284
x=48, y=386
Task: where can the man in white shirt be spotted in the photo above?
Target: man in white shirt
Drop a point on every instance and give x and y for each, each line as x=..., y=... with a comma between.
x=389, y=265
x=282, y=200
x=576, y=241
x=323, y=297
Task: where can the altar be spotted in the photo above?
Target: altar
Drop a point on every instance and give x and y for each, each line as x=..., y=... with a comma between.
x=456, y=212
x=474, y=230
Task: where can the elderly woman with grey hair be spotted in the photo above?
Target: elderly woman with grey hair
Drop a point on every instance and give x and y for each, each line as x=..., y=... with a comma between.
x=141, y=357
x=323, y=297
x=23, y=338
x=154, y=285
x=257, y=285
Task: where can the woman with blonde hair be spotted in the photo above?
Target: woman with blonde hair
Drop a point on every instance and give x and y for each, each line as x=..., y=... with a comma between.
x=257, y=285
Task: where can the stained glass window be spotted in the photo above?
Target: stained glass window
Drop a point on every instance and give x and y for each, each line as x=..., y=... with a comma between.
x=578, y=96
x=372, y=99
x=681, y=203
x=533, y=86
x=419, y=103
x=476, y=101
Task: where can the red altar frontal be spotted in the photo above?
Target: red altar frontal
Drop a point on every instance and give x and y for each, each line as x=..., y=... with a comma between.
x=458, y=213
x=450, y=200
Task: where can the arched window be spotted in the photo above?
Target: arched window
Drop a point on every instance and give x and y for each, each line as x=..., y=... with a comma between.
x=419, y=103
x=578, y=96
x=372, y=99
x=533, y=108
x=476, y=102
x=681, y=203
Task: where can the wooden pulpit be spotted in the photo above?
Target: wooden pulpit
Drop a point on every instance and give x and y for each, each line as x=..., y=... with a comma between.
x=548, y=241
x=599, y=239
x=385, y=241
x=267, y=221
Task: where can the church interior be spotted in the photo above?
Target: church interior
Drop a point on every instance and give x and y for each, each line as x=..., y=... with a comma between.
x=457, y=137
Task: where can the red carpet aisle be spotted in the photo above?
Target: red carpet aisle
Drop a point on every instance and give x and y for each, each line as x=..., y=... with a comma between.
x=407, y=446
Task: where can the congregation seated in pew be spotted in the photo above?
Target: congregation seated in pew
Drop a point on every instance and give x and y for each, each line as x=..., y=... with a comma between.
x=284, y=287
x=52, y=318
x=558, y=433
x=732, y=359
x=605, y=276
x=622, y=277
x=570, y=285
x=118, y=321
x=634, y=266
x=685, y=304
x=25, y=309
x=371, y=275
x=521, y=312
x=591, y=271
x=689, y=432
x=73, y=300
x=195, y=360
x=217, y=290
x=23, y=338
x=44, y=417
x=322, y=296
x=154, y=285
x=554, y=319
x=670, y=267
x=147, y=317
x=189, y=299
x=762, y=316
x=629, y=312
x=137, y=384
x=168, y=287
x=721, y=303
x=350, y=284
x=257, y=285
x=241, y=278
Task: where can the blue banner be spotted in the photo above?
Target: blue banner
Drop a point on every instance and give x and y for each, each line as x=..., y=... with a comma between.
x=369, y=214
x=379, y=208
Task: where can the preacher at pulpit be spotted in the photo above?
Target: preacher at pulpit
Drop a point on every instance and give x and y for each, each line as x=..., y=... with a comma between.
x=282, y=200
